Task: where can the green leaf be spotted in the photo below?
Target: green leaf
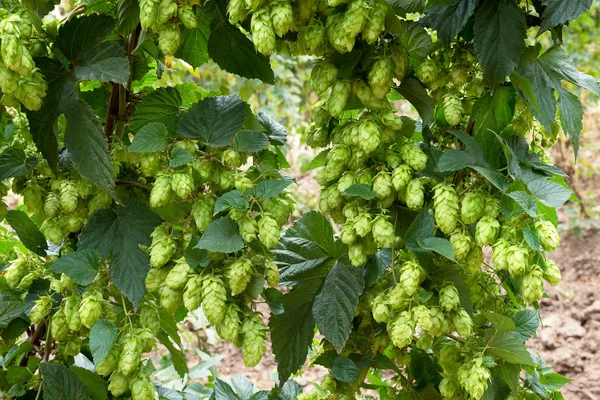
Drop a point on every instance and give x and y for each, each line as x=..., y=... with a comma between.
x=273, y=129
x=455, y=160
x=344, y=370
x=319, y=161
x=571, y=116
x=180, y=157
x=28, y=232
x=81, y=41
x=439, y=3
x=360, y=190
x=549, y=193
x=526, y=91
x=407, y=6
x=129, y=16
x=214, y=120
x=95, y=384
x=416, y=94
x=225, y=40
x=532, y=237
x=250, y=141
x=221, y=236
x=117, y=234
x=14, y=162
x=524, y=200
x=499, y=38
x=161, y=106
x=449, y=20
x=169, y=325
x=335, y=305
x=527, y=322
x=510, y=348
x=273, y=298
x=439, y=245
x=224, y=391
x=554, y=381
x=196, y=258
x=290, y=390
x=269, y=188
x=421, y=228
x=62, y=384
x=17, y=374
x=495, y=112
x=233, y=199
x=499, y=321
x=81, y=266
x=557, y=64
x=557, y=12
x=376, y=265
x=413, y=37
x=509, y=374
x=102, y=336
x=150, y=138
x=177, y=356
x=10, y=308
x=194, y=42
x=243, y=386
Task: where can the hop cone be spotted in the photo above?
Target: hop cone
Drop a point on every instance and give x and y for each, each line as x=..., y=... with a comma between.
x=354, y=18
x=268, y=230
x=214, y=299
x=229, y=328
x=236, y=9
x=150, y=318
x=177, y=277
x=239, y=274
x=347, y=180
x=118, y=384
x=400, y=59
x=254, y=339
x=182, y=183
x=449, y=388
x=369, y=136
x=401, y=175
x=162, y=248
x=532, y=286
x=552, y=273
x=110, y=363
x=380, y=309
x=323, y=75
x=422, y=317
x=338, y=39
x=449, y=298
x=500, y=252
x=33, y=197
x=415, y=194
x=439, y=323
x=392, y=120
x=411, y=276
x=142, y=388
x=487, y=231
x=202, y=212
x=427, y=72
x=167, y=9
x=445, y=204
x=68, y=196
x=72, y=313
x=90, y=310
x=187, y=16
x=131, y=355
x=150, y=164
x=375, y=23
x=414, y=156
x=348, y=234
x=357, y=254
x=472, y=207
x=14, y=274
x=401, y=330
x=169, y=39
x=311, y=39
x=517, y=260
x=549, y=237
x=462, y=245
x=383, y=231
x=58, y=326
x=473, y=377
x=338, y=97
x=382, y=185
x=380, y=77
x=52, y=205
x=9, y=80
x=271, y=273
x=170, y=299
x=368, y=99
x=161, y=193
x=474, y=259
x=462, y=323
x=156, y=278
x=453, y=109
x=282, y=16
x=263, y=34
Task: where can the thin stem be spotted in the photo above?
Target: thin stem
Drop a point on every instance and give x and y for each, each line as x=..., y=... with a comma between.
x=47, y=345
x=126, y=312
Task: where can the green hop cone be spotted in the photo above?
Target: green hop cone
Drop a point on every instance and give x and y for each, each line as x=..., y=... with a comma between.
x=427, y=72
x=214, y=299
x=170, y=299
x=33, y=197
x=380, y=309
x=424, y=342
x=247, y=227
x=549, y=237
x=473, y=377
x=99, y=201
x=399, y=56
x=448, y=297
x=142, y=388
x=243, y=183
x=68, y=196
x=449, y=388
x=150, y=317
x=162, y=248
x=282, y=16
x=383, y=231
x=369, y=136
x=148, y=12
x=357, y=254
x=149, y=163
x=338, y=39
x=72, y=313
x=453, y=109
x=362, y=224
x=415, y=194
x=439, y=323
x=271, y=273
x=472, y=207
x=422, y=317
x=532, y=285
x=552, y=273
x=323, y=75
x=375, y=23
x=401, y=175
x=392, y=159
x=202, y=212
x=380, y=77
x=53, y=231
x=263, y=34
x=382, y=185
x=411, y=276
x=517, y=260
x=9, y=80
x=392, y=120
x=52, y=205
x=162, y=192
x=338, y=97
x=229, y=328
x=268, y=231
x=131, y=355
x=347, y=180
x=462, y=323
x=474, y=259
x=110, y=363
x=169, y=39
x=156, y=278
x=187, y=16
x=311, y=39
x=118, y=384
x=401, y=330
x=191, y=295
x=90, y=309
x=182, y=183
x=328, y=383
x=41, y=309
x=414, y=156
x=499, y=253
x=59, y=326
x=239, y=274
x=462, y=245
x=167, y=9
x=178, y=276
x=231, y=158
x=237, y=11
x=487, y=231
x=354, y=18
x=254, y=339
x=445, y=204
x=348, y=234
x=492, y=207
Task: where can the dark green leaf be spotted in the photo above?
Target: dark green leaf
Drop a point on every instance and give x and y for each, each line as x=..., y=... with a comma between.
x=270, y=188
x=335, y=305
x=524, y=200
x=250, y=141
x=177, y=356
x=273, y=129
x=62, y=384
x=169, y=325
x=495, y=112
x=414, y=38
x=557, y=12
x=243, y=387
x=526, y=91
x=81, y=266
x=499, y=38
x=407, y=6
x=550, y=193
x=196, y=258
x=449, y=20
x=221, y=236
x=180, y=157
x=224, y=391
x=194, y=42
x=532, y=237
x=225, y=40
x=14, y=162
x=557, y=64
x=455, y=160
x=440, y=3
x=439, y=245
x=233, y=199
x=118, y=234
x=527, y=322
x=214, y=120
x=376, y=265
x=360, y=190
x=102, y=335
x=510, y=348
x=162, y=106
x=10, y=308
x=416, y=94
x=509, y=374
x=17, y=374
x=28, y=232
x=273, y=298
x=344, y=370
x=95, y=384
x=290, y=390
x=421, y=228
x=499, y=321
x=571, y=116
x=150, y=138
x=129, y=16
x=319, y=161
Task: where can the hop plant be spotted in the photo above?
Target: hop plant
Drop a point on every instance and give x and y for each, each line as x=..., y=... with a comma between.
x=411, y=276
x=549, y=237
x=338, y=97
x=382, y=185
x=375, y=23
x=427, y=72
x=473, y=377
x=357, y=254
x=263, y=33
x=471, y=207
x=162, y=248
x=40, y=310
x=462, y=323
x=323, y=75
x=445, y=204
x=214, y=299
x=170, y=299
x=517, y=260
x=422, y=317
x=72, y=313
x=68, y=196
x=401, y=330
x=487, y=231
x=202, y=212
x=90, y=309
x=462, y=245
x=552, y=273
x=131, y=355
x=118, y=384
x=500, y=252
x=383, y=231
x=414, y=156
x=415, y=194
x=401, y=175
x=239, y=274
x=282, y=16
x=169, y=39
x=449, y=299
x=187, y=16
x=167, y=9
x=178, y=276
x=268, y=231
x=110, y=363
x=380, y=77
x=142, y=388
x=380, y=309
x=271, y=273
x=474, y=259
x=182, y=183
x=59, y=326
x=150, y=317
x=229, y=329
x=453, y=109
x=162, y=192
x=532, y=285
x=254, y=339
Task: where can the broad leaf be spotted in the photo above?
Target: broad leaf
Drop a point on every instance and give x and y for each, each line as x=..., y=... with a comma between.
x=221, y=236
x=102, y=335
x=250, y=141
x=527, y=322
x=557, y=64
x=338, y=298
x=62, y=384
x=532, y=238
x=117, y=234
x=273, y=129
x=549, y=193
x=14, y=162
x=269, y=188
x=416, y=94
x=421, y=228
x=10, y=308
x=495, y=112
x=224, y=391
x=360, y=190
x=177, y=356
x=180, y=157
x=95, y=384
x=161, y=106
x=557, y=12
x=150, y=138
x=194, y=42
x=344, y=369
x=499, y=321
x=571, y=116
x=81, y=266
x=508, y=347
x=28, y=232
x=499, y=38
x=439, y=245
x=449, y=20
x=232, y=199
x=129, y=16
x=523, y=199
